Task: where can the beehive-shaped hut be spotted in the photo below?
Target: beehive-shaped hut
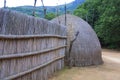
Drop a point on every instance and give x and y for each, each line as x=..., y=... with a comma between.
x=86, y=49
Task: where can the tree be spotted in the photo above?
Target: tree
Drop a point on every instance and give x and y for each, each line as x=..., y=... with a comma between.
x=104, y=17
x=108, y=25
x=50, y=16
x=89, y=11
x=81, y=12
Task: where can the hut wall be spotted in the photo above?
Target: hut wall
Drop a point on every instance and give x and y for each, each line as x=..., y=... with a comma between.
x=30, y=48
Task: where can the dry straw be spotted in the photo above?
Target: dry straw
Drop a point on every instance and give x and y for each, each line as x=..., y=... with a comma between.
x=86, y=49
x=30, y=48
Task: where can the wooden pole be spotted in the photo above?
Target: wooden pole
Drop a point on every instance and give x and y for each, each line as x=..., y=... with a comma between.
x=4, y=3
x=45, y=10
x=34, y=7
x=65, y=14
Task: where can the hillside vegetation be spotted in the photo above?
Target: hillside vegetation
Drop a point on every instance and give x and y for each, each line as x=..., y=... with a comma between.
x=50, y=9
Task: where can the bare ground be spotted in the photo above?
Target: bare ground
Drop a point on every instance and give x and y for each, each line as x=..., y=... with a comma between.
x=110, y=70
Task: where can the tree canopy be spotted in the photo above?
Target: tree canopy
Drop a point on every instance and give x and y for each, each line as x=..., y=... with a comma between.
x=104, y=16
x=50, y=16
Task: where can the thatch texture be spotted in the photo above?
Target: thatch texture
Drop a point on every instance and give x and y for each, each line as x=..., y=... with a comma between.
x=14, y=23
x=86, y=49
x=30, y=48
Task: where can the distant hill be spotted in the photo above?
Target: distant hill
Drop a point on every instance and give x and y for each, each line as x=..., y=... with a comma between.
x=39, y=10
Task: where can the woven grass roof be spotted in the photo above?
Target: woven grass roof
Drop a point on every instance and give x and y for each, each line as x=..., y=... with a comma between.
x=86, y=49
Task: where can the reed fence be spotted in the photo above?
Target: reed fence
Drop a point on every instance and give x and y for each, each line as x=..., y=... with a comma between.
x=30, y=48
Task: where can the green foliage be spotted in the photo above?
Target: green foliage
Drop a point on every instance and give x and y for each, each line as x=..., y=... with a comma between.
x=88, y=11
x=108, y=25
x=104, y=16
x=81, y=12
x=50, y=16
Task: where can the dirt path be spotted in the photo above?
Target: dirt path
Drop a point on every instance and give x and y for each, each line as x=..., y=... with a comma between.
x=110, y=70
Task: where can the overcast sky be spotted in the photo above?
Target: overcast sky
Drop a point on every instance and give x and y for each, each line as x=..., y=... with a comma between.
x=14, y=3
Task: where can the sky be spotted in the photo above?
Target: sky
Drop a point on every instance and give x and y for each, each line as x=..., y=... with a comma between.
x=14, y=3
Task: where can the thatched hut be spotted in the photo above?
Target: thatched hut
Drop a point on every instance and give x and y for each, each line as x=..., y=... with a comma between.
x=86, y=49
